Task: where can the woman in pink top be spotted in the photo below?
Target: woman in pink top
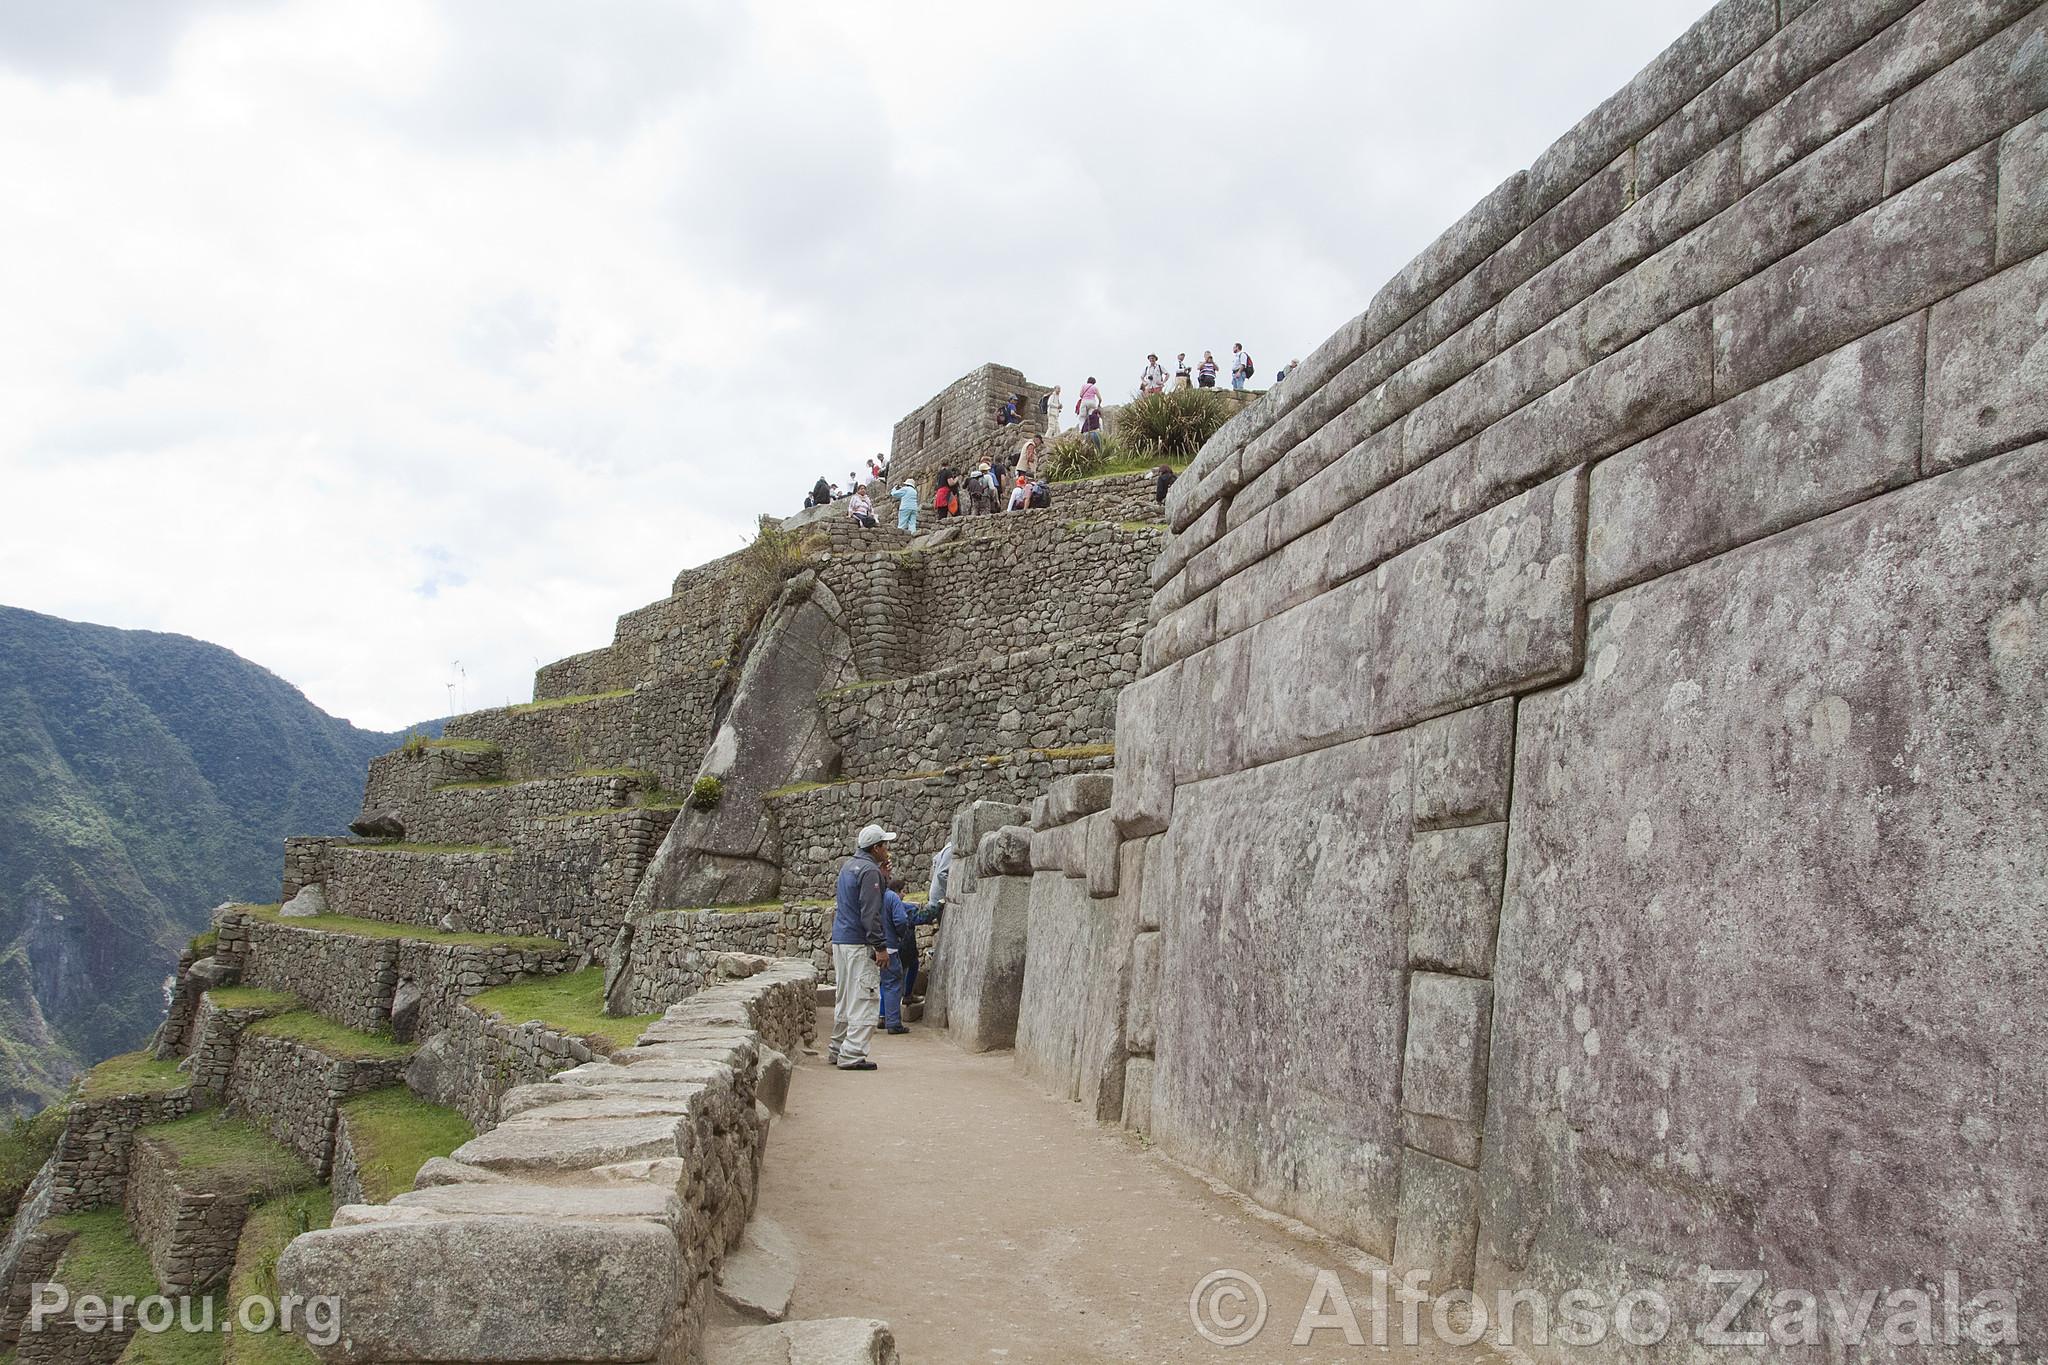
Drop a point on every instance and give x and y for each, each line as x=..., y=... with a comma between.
x=1090, y=399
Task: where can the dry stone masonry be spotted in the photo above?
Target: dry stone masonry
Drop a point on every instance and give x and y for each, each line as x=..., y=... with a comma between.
x=1582, y=799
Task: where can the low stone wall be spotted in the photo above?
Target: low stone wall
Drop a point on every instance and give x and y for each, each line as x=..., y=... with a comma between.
x=189, y=1230
x=675, y=952
x=345, y=1172
x=1050, y=695
x=306, y=861
x=549, y=740
x=595, y=670
x=818, y=824
x=215, y=1031
x=35, y=1261
x=290, y=1090
x=1120, y=498
x=90, y=1165
x=638, y=1172
x=499, y=813
x=62, y=1342
x=570, y=880
x=476, y=1058
x=400, y=779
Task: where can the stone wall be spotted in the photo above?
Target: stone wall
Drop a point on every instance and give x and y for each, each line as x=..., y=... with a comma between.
x=566, y=879
x=188, y=1228
x=676, y=953
x=476, y=1057
x=1051, y=695
x=638, y=1172
x=90, y=1165
x=1120, y=499
x=554, y=738
x=499, y=813
x=1595, y=700
x=210, y=1060
x=290, y=1090
x=404, y=777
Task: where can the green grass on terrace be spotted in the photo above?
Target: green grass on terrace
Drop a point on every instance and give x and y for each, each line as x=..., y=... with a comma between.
x=324, y=1035
x=393, y=1132
x=479, y=786
x=553, y=702
x=103, y=1258
x=1078, y=751
x=797, y=788
x=467, y=746
x=270, y=1228
x=494, y=850
x=203, y=945
x=645, y=775
x=252, y=998
x=1130, y=464
x=131, y=1073
x=230, y=1155
x=201, y=1346
x=571, y=1003
x=376, y=928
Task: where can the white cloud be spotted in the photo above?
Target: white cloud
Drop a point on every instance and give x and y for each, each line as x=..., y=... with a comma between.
x=363, y=339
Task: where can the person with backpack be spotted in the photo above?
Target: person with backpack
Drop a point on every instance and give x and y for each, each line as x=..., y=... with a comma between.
x=1153, y=380
x=1240, y=365
x=1090, y=399
x=1020, y=496
x=821, y=492
x=1208, y=370
x=1041, y=493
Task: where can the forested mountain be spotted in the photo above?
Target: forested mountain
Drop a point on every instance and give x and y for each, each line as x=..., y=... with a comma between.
x=144, y=779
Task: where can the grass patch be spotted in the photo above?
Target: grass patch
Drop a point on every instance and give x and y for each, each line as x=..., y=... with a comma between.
x=461, y=746
x=103, y=1258
x=25, y=1144
x=571, y=1003
x=229, y=1154
x=1078, y=751
x=317, y=1031
x=393, y=1132
x=251, y=998
x=178, y=1346
x=270, y=1228
x=494, y=850
x=376, y=928
x=552, y=703
x=202, y=945
x=797, y=788
x=131, y=1073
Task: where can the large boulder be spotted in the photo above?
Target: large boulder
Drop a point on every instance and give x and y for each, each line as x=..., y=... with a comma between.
x=383, y=824
x=311, y=900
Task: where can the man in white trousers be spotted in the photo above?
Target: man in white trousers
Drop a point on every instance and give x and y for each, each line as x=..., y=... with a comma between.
x=859, y=951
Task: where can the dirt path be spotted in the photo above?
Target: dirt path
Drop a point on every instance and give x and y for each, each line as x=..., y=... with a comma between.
x=989, y=1222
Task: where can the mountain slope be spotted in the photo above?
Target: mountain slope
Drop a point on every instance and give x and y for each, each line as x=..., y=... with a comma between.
x=144, y=778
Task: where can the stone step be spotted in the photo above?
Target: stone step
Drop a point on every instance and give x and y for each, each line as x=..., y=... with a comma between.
x=557, y=736
x=816, y=1341
x=1055, y=698
x=758, y=1276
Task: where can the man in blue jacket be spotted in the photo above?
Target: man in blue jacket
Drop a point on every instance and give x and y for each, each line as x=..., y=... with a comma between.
x=860, y=949
x=899, y=926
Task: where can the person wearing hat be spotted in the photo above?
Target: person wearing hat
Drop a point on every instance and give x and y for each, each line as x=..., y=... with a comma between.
x=1154, y=378
x=859, y=949
x=906, y=505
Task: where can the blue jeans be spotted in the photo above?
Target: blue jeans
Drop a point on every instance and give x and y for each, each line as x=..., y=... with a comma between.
x=892, y=992
x=1237, y=380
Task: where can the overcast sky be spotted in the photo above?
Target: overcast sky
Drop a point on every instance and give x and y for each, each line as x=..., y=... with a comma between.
x=364, y=338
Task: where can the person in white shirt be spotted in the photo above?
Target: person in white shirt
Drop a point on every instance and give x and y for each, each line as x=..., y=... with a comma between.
x=1240, y=365
x=863, y=510
x=1183, y=377
x=1154, y=378
x=1020, y=496
x=1052, y=412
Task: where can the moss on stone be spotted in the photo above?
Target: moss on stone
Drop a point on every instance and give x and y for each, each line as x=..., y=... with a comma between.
x=393, y=1132
x=376, y=928
x=131, y=1073
x=571, y=1003
x=1078, y=751
x=554, y=703
x=231, y=1156
x=797, y=788
x=252, y=998
x=324, y=1035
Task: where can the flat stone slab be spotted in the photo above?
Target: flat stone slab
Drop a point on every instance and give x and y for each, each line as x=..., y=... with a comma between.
x=607, y=1101
x=524, y=1286
x=820, y=1341
x=759, y=1275
x=653, y=1071
x=535, y=1143
x=513, y=1198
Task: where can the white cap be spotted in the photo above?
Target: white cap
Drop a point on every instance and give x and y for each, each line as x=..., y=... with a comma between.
x=871, y=835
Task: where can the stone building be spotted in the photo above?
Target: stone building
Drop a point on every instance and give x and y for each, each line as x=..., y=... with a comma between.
x=957, y=425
